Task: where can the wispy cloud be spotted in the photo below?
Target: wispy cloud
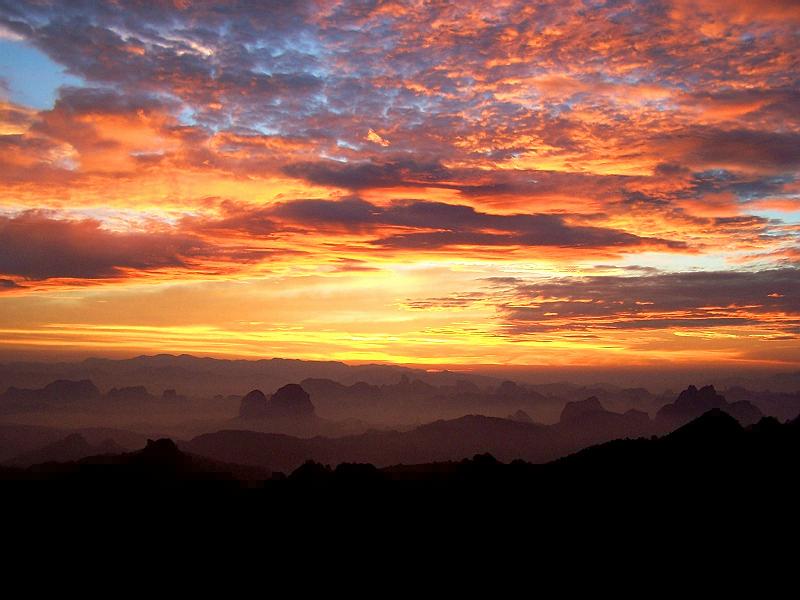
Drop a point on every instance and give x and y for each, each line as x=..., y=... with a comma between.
x=229, y=141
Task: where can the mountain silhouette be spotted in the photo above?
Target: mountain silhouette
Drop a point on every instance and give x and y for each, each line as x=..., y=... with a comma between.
x=581, y=408
x=254, y=405
x=57, y=393
x=131, y=394
x=782, y=405
x=73, y=447
x=441, y=440
x=712, y=453
x=197, y=376
x=693, y=402
x=17, y=440
x=290, y=402
x=710, y=427
x=587, y=422
x=159, y=463
x=521, y=416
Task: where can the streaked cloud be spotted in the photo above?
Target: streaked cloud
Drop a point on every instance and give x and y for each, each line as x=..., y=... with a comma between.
x=562, y=145
x=33, y=246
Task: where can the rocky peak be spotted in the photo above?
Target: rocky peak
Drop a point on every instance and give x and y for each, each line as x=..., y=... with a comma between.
x=291, y=400
x=254, y=405
x=706, y=396
x=63, y=389
x=580, y=408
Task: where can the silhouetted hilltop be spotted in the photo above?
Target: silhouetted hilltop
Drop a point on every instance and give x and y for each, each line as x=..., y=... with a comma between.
x=708, y=450
x=16, y=440
x=441, y=440
x=581, y=408
x=253, y=405
x=521, y=416
x=73, y=447
x=411, y=400
x=323, y=407
x=693, y=402
x=64, y=395
x=136, y=393
x=637, y=419
x=781, y=405
x=587, y=422
x=271, y=451
x=159, y=463
x=712, y=453
x=437, y=441
x=288, y=408
x=199, y=376
x=291, y=401
x=510, y=389
x=58, y=392
x=712, y=426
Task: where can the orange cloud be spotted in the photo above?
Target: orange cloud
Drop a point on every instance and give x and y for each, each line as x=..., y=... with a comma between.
x=202, y=152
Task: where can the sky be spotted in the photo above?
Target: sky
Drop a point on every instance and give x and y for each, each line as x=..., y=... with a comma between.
x=564, y=182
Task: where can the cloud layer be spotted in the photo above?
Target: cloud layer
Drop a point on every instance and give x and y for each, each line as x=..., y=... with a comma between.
x=691, y=299
x=556, y=143
x=34, y=246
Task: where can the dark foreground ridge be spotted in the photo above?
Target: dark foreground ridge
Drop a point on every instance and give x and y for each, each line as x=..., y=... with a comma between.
x=712, y=451
x=159, y=463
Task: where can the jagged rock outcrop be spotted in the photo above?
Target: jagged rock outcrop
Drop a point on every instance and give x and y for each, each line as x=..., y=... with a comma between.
x=637, y=418
x=586, y=422
x=62, y=392
x=692, y=403
x=254, y=405
x=581, y=408
x=163, y=449
x=73, y=447
x=745, y=412
x=707, y=429
x=71, y=391
x=521, y=417
x=291, y=401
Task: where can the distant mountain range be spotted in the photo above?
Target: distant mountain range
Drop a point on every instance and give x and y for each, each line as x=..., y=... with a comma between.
x=712, y=452
x=207, y=377
x=185, y=395
x=19, y=441
x=582, y=423
x=160, y=462
x=280, y=432
x=73, y=447
x=195, y=376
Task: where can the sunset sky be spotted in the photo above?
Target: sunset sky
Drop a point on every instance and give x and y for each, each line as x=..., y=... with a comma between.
x=512, y=182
